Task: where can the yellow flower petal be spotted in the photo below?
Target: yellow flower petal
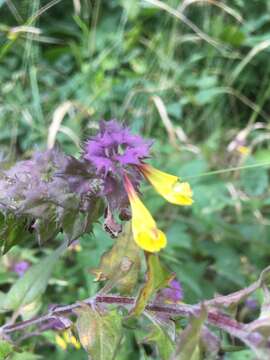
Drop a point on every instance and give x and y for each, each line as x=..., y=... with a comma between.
x=144, y=228
x=75, y=342
x=69, y=338
x=168, y=186
x=60, y=342
x=243, y=150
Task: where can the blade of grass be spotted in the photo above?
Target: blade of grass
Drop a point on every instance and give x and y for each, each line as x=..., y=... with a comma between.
x=223, y=171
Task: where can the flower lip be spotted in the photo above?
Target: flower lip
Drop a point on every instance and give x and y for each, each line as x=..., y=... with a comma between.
x=167, y=185
x=144, y=228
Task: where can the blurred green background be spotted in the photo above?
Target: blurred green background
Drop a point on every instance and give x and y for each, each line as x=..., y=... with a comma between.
x=194, y=76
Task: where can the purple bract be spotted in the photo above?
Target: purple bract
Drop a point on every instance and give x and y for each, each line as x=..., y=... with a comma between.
x=114, y=148
x=172, y=294
x=113, y=151
x=21, y=267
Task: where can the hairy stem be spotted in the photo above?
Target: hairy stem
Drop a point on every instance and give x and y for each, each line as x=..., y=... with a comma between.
x=215, y=317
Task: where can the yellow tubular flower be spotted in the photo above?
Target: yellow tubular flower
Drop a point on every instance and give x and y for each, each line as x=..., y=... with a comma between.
x=144, y=228
x=168, y=186
x=61, y=342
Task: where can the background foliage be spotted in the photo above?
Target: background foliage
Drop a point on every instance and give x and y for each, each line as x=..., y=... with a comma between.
x=194, y=76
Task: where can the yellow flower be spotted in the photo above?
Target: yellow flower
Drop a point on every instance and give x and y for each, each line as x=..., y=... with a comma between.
x=70, y=339
x=66, y=339
x=243, y=150
x=144, y=228
x=60, y=342
x=168, y=186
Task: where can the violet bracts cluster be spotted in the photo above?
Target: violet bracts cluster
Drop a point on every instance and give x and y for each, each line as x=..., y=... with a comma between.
x=35, y=198
x=114, y=152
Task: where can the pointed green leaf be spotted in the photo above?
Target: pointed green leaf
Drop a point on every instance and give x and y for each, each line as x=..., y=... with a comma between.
x=32, y=284
x=75, y=223
x=161, y=334
x=189, y=339
x=121, y=264
x=255, y=183
x=12, y=231
x=158, y=277
x=99, y=334
x=46, y=229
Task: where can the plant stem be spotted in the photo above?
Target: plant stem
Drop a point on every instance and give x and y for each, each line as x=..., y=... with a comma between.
x=214, y=317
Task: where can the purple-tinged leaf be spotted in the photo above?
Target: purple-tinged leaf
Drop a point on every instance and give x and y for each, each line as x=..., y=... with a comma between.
x=210, y=343
x=261, y=326
x=57, y=323
x=41, y=195
x=238, y=296
x=254, y=340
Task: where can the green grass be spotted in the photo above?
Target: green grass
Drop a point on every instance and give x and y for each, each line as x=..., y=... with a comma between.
x=192, y=79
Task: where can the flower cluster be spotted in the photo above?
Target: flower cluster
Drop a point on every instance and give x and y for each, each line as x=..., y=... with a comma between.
x=49, y=190
x=43, y=195
x=119, y=157
x=28, y=185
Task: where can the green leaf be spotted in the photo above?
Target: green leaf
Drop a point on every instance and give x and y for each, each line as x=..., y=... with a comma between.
x=46, y=229
x=255, y=183
x=32, y=284
x=240, y=355
x=188, y=341
x=178, y=236
x=26, y=356
x=12, y=231
x=206, y=96
x=175, y=110
x=158, y=277
x=132, y=8
x=74, y=223
x=121, y=264
x=160, y=335
x=232, y=35
x=5, y=349
x=99, y=334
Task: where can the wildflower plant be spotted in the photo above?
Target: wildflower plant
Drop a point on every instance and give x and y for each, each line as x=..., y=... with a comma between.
x=119, y=157
x=55, y=196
